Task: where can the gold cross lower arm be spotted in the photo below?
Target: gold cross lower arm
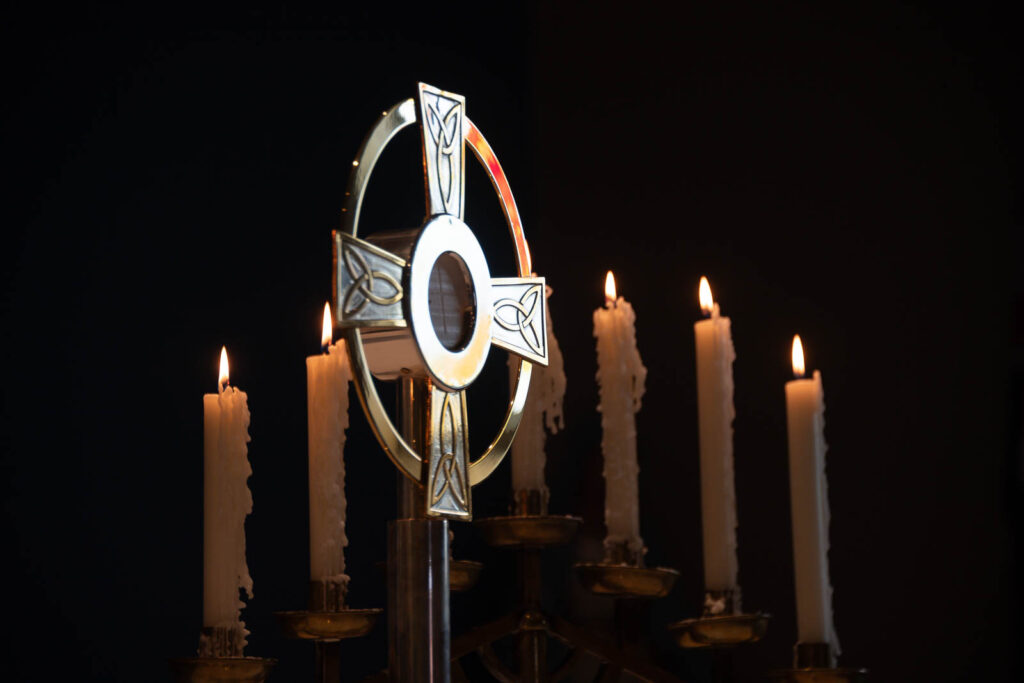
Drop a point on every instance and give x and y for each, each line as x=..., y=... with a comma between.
x=423, y=303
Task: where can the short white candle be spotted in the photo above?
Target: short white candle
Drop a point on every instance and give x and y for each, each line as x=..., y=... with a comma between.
x=226, y=502
x=715, y=356
x=543, y=409
x=621, y=376
x=327, y=379
x=808, y=490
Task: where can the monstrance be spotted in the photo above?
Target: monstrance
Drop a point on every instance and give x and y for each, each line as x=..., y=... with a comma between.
x=421, y=308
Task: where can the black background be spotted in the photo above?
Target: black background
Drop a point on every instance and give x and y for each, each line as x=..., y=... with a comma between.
x=171, y=178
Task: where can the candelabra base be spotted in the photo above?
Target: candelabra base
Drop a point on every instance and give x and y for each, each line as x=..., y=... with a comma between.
x=626, y=581
x=528, y=531
x=221, y=669
x=725, y=630
x=328, y=627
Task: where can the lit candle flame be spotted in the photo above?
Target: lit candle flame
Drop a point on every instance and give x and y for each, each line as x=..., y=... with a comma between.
x=326, y=336
x=609, y=288
x=798, y=357
x=222, y=380
x=707, y=303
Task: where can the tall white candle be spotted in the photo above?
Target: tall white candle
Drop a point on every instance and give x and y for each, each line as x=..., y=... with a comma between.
x=327, y=379
x=226, y=502
x=621, y=376
x=808, y=489
x=715, y=356
x=543, y=409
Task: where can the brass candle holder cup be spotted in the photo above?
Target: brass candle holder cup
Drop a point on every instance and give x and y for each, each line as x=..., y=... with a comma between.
x=326, y=623
x=721, y=625
x=622, y=574
x=816, y=663
x=530, y=525
x=221, y=660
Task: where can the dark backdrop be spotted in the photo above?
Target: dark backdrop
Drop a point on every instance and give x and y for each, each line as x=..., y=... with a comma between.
x=171, y=179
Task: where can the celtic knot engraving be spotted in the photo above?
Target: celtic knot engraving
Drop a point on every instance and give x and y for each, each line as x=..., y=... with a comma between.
x=442, y=125
x=448, y=476
x=364, y=279
x=444, y=130
x=527, y=317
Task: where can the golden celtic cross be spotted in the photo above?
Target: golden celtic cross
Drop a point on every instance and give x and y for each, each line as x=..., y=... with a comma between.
x=422, y=304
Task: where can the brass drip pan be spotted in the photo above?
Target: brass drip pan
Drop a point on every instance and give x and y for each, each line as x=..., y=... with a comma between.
x=328, y=626
x=626, y=581
x=719, y=631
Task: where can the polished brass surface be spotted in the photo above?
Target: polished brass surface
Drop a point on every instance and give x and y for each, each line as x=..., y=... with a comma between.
x=369, y=283
x=530, y=502
x=443, y=116
x=327, y=596
x=720, y=631
x=221, y=669
x=448, y=470
x=418, y=613
x=452, y=369
x=368, y=293
x=463, y=574
x=519, y=320
x=328, y=626
x=624, y=581
x=525, y=531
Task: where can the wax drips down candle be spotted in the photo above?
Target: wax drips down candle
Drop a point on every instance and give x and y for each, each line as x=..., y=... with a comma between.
x=543, y=409
x=715, y=356
x=808, y=490
x=621, y=376
x=226, y=502
x=327, y=379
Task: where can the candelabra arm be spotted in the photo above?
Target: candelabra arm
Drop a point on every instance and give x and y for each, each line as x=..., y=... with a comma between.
x=481, y=635
x=608, y=652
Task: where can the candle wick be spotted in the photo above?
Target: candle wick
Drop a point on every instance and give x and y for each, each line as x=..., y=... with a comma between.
x=223, y=385
x=325, y=349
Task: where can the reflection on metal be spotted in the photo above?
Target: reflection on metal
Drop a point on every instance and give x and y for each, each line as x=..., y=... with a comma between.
x=448, y=480
x=722, y=631
x=519, y=317
x=380, y=288
x=369, y=284
x=625, y=581
x=443, y=149
x=452, y=369
x=328, y=626
x=418, y=616
x=528, y=531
